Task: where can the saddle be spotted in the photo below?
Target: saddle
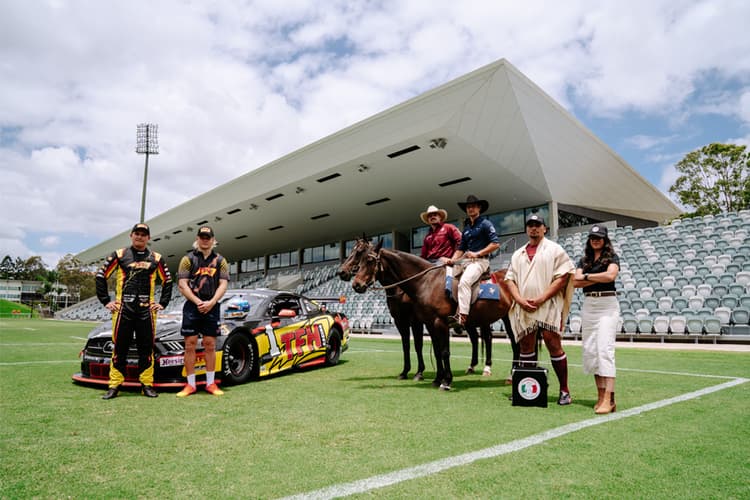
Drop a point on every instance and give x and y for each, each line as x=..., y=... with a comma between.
x=483, y=288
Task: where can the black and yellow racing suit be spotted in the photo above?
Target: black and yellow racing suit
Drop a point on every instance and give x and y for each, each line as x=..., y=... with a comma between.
x=137, y=271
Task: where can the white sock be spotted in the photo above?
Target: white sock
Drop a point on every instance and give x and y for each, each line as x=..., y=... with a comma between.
x=191, y=380
x=209, y=378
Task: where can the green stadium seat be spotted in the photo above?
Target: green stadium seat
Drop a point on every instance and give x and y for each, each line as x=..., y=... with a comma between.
x=646, y=325
x=711, y=279
x=680, y=303
x=730, y=301
x=740, y=316
x=694, y=325
x=720, y=290
x=629, y=325
x=712, y=325
x=712, y=302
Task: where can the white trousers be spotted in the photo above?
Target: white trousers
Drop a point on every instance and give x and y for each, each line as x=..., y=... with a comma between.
x=472, y=271
x=599, y=318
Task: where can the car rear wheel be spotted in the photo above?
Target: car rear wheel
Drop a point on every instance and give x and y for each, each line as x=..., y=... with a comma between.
x=333, y=351
x=239, y=359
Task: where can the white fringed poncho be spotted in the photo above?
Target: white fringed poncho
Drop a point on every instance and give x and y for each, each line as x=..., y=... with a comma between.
x=533, y=277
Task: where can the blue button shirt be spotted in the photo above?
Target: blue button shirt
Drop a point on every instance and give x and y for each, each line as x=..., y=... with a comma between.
x=475, y=238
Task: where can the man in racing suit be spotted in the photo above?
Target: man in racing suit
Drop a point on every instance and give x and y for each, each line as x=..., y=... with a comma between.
x=134, y=309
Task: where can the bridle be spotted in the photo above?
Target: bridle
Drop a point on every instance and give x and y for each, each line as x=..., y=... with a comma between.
x=379, y=272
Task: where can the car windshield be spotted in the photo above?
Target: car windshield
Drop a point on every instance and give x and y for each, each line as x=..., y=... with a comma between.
x=240, y=304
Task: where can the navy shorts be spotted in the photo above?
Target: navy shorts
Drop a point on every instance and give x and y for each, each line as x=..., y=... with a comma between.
x=194, y=323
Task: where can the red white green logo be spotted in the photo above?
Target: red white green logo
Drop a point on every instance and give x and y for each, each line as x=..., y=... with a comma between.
x=529, y=388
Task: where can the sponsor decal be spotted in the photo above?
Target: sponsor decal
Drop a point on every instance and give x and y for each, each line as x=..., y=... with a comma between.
x=205, y=271
x=166, y=361
x=529, y=388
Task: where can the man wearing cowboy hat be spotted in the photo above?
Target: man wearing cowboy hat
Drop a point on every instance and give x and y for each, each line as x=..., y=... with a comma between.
x=478, y=241
x=442, y=239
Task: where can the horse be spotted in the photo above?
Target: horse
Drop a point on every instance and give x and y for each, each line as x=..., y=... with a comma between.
x=424, y=284
x=400, y=307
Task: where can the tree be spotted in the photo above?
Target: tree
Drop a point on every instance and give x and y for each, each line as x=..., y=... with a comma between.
x=74, y=275
x=7, y=270
x=714, y=179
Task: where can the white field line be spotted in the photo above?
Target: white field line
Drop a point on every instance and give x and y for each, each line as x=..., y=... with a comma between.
x=383, y=480
x=635, y=370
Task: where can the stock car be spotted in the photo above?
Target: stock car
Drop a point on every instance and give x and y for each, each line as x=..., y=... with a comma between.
x=263, y=332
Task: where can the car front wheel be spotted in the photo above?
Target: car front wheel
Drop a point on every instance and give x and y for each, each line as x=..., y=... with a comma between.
x=239, y=359
x=333, y=351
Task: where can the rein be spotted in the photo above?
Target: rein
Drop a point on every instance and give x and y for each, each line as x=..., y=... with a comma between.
x=394, y=285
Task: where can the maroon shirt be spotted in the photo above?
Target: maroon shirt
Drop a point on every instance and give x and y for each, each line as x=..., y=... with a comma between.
x=441, y=242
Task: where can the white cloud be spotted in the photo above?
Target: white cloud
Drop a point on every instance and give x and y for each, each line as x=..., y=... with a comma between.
x=234, y=85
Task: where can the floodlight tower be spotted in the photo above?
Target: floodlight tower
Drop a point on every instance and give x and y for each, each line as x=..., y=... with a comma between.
x=147, y=143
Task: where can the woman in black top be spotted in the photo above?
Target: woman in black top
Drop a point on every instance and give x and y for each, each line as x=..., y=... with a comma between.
x=596, y=272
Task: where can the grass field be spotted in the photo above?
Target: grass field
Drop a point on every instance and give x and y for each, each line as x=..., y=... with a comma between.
x=334, y=429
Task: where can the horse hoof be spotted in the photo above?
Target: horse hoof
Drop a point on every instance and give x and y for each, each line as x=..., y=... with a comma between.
x=418, y=377
x=487, y=371
x=436, y=383
x=402, y=376
x=470, y=370
x=445, y=387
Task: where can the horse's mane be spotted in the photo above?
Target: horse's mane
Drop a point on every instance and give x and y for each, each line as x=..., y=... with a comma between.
x=410, y=257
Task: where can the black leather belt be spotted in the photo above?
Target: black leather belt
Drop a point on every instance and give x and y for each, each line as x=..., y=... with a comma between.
x=600, y=294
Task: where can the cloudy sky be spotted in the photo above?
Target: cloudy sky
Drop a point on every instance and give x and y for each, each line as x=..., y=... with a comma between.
x=236, y=84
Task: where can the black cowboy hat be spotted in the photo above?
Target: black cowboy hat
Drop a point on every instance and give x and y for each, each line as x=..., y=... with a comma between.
x=483, y=204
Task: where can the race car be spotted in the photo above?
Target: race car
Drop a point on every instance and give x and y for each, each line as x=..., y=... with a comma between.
x=263, y=332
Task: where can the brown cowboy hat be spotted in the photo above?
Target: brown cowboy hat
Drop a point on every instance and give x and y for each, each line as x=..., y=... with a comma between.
x=483, y=204
x=432, y=209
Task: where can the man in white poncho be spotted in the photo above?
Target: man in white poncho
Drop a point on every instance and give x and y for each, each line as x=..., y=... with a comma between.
x=540, y=282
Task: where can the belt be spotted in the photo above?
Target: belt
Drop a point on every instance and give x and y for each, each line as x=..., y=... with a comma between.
x=600, y=294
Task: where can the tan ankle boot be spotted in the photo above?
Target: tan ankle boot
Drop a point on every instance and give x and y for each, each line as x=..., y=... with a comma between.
x=600, y=397
x=606, y=406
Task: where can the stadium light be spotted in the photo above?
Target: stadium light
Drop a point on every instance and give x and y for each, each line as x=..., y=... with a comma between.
x=147, y=142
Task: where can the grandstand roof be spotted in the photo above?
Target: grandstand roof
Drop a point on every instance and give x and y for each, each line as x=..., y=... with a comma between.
x=514, y=145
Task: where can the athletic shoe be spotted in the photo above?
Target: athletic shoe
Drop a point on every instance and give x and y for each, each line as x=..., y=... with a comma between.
x=214, y=389
x=564, y=398
x=111, y=393
x=186, y=391
x=148, y=391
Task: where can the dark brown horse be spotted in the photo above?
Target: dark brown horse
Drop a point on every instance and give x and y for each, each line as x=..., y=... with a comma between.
x=399, y=305
x=424, y=284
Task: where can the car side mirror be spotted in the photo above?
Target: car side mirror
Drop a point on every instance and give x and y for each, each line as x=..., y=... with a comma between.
x=287, y=313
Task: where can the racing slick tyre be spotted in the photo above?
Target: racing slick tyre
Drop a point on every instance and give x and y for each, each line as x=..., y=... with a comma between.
x=239, y=359
x=333, y=350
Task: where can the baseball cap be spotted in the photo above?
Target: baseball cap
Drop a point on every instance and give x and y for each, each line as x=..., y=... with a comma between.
x=206, y=231
x=535, y=218
x=598, y=231
x=141, y=227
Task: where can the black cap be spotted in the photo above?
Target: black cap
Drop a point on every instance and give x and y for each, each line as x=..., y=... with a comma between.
x=535, y=218
x=206, y=231
x=141, y=227
x=598, y=231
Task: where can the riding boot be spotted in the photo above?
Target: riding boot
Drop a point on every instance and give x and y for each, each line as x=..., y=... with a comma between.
x=606, y=406
x=600, y=397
